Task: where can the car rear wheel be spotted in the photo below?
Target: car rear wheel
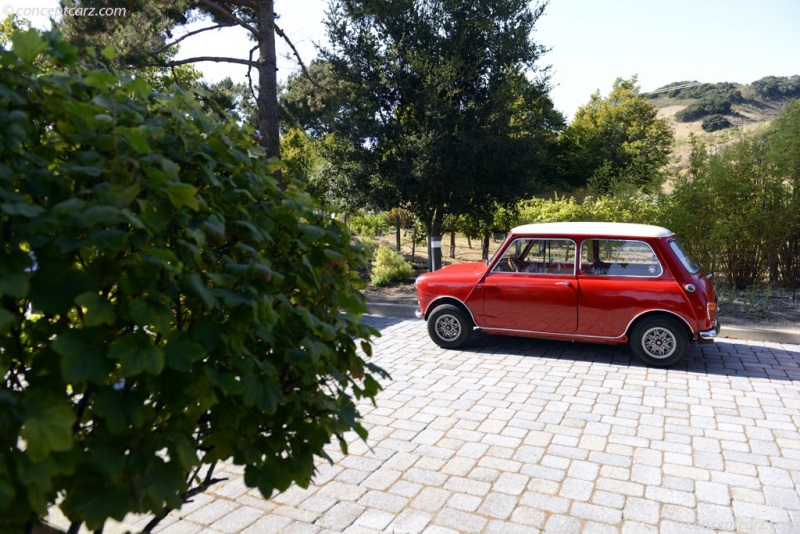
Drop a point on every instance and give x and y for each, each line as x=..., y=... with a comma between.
x=449, y=327
x=660, y=341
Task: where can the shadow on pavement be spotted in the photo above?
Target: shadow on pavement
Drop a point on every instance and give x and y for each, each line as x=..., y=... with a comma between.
x=381, y=322
x=725, y=357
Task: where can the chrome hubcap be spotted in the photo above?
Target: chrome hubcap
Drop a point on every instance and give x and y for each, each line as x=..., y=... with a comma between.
x=448, y=328
x=659, y=342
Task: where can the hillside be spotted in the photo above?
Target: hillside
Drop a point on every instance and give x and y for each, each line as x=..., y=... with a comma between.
x=706, y=109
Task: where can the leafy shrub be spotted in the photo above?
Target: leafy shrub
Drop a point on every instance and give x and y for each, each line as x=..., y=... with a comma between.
x=389, y=265
x=709, y=105
x=371, y=225
x=633, y=207
x=692, y=90
x=715, y=122
x=163, y=305
x=730, y=208
x=777, y=87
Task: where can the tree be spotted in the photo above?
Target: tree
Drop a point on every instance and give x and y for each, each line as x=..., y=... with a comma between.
x=731, y=193
x=8, y=26
x=784, y=154
x=445, y=118
x=145, y=39
x=618, y=139
x=313, y=104
x=163, y=304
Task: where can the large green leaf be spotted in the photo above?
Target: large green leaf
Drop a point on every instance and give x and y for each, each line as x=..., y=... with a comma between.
x=96, y=310
x=265, y=396
x=54, y=287
x=182, y=352
x=183, y=195
x=193, y=284
x=7, y=493
x=22, y=208
x=96, y=502
x=83, y=355
x=28, y=44
x=163, y=483
x=137, y=354
x=6, y=319
x=48, y=424
x=14, y=284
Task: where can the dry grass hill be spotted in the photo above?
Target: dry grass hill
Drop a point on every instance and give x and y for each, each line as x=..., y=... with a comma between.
x=721, y=110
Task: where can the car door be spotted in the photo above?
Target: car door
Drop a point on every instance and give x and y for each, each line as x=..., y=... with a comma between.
x=619, y=279
x=532, y=288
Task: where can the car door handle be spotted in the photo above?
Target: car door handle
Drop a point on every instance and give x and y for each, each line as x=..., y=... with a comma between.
x=568, y=284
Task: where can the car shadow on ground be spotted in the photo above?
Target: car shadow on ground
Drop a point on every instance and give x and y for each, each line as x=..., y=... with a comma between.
x=382, y=322
x=725, y=357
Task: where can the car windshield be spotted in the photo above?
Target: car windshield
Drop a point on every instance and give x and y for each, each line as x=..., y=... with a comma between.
x=683, y=256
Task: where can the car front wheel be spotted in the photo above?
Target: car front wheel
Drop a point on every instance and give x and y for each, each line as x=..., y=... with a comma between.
x=659, y=342
x=449, y=327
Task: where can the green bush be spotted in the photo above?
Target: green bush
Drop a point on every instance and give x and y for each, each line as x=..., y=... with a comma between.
x=163, y=305
x=633, y=207
x=731, y=210
x=777, y=87
x=389, y=265
x=719, y=104
x=715, y=122
x=366, y=225
x=703, y=90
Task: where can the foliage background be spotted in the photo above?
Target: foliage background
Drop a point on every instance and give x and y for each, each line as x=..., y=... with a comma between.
x=163, y=304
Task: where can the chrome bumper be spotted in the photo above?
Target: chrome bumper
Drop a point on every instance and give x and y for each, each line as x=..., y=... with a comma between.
x=709, y=335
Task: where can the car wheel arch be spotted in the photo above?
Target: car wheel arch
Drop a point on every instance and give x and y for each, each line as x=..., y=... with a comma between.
x=656, y=314
x=448, y=300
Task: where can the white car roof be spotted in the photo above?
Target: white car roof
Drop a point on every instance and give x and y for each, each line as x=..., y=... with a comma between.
x=606, y=229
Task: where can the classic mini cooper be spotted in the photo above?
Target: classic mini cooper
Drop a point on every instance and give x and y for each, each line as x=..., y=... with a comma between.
x=580, y=281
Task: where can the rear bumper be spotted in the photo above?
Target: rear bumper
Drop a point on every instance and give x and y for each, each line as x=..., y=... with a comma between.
x=708, y=336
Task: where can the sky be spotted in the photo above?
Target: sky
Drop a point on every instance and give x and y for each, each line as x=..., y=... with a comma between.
x=592, y=42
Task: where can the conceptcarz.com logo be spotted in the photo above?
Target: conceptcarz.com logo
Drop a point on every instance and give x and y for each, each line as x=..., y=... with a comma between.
x=67, y=11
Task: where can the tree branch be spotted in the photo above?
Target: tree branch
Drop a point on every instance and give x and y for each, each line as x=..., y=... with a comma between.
x=282, y=34
x=178, y=40
x=249, y=75
x=241, y=3
x=211, y=58
x=221, y=10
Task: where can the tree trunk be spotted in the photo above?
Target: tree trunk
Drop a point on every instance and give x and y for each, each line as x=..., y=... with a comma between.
x=433, y=227
x=485, y=248
x=452, y=244
x=268, y=84
x=397, y=228
x=414, y=244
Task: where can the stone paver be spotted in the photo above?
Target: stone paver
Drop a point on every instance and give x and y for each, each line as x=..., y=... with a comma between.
x=515, y=435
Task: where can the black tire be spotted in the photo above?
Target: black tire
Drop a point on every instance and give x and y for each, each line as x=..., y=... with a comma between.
x=659, y=341
x=449, y=327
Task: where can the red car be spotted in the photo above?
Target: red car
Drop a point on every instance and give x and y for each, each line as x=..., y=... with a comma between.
x=581, y=281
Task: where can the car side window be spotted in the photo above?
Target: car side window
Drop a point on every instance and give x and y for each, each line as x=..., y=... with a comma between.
x=542, y=256
x=619, y=257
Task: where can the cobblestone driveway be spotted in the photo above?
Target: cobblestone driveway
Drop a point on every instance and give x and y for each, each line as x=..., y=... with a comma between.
x=515, y=435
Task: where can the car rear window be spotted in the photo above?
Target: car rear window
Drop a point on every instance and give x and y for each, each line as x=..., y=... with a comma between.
x=619, y=257
x=683, y=256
